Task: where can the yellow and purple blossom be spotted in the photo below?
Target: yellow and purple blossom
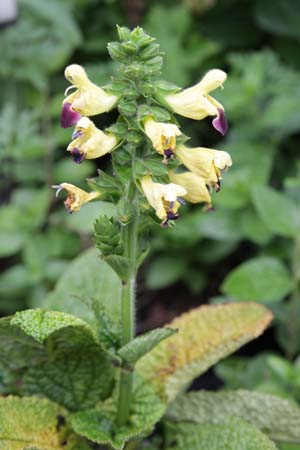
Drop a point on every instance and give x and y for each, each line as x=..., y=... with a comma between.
x=196, y=103
x=76, y=197
x=87, y=100
x=195, y=186
x=163, y=136
x=164, y=198
x=89, y=142
x=205, y=162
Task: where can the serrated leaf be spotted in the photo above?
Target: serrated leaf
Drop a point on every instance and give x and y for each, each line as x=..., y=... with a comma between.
x=29, y=422
x=206, y=335
x=76, y=380
x=99, y=425
x=86, y=277
x=233, y=434
x=71, y=368
x=275, y=416
x=143, y=344
x=261, y=279
x=277, y=211
x=41, y=324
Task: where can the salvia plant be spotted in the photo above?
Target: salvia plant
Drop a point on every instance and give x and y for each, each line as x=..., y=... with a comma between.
x=81, y=379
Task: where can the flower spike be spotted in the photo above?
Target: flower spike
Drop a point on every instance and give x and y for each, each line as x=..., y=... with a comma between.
x=89, y=142
x=76, y=197
x=163, y=137
x=196, y=103
x=87, y=100
x=164, y=198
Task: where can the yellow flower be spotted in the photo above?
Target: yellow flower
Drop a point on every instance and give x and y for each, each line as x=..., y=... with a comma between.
x=89, y=142
x=76, y=197
x=164, y=198
x=163, y=136
x=195, y=186
x=88, y=99
x=205, y=162
x=196, y=103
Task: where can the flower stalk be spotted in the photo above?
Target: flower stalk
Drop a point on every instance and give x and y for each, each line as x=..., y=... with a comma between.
x=129, y=237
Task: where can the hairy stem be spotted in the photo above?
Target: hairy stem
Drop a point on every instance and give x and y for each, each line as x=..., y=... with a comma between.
x=129, y=237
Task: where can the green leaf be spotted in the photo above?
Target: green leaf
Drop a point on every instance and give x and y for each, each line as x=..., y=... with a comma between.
x=277, y=211
x=253, y=227
x=32, y=207
x=86, y=277
x=10, y=243
x=17, y=349
x=143, y=344
x=28, y=423
x=279, y=17
x=164, y=271
x=65, y=169
x=233, y=434
x=277, y=417
x=206, y=335
x=159, y=114
x=41, y=324
x=71, y=368
x=83, y=220
x=259, y=279
x=76, y=379
x=150, y=166
x=99, y=425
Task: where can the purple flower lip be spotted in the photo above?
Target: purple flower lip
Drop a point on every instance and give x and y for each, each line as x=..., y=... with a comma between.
x=77, y=134
x=220, y=122
x=170, y=216
x=78, y=156
x=69, y=117
x=168, y=153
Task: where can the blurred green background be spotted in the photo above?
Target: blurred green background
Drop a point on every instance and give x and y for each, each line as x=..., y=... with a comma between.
x=249, y=248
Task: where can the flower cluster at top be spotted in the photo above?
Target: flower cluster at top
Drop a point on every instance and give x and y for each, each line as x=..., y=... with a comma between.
x=148, y=148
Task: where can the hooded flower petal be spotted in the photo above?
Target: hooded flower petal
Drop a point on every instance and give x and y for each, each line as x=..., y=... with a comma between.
x=88, y=99
x=195, y=186
x=163, y=198
x=205, y=162
x=196, y=103
x=163, y=136
x=76, y=197
x=89, y=142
